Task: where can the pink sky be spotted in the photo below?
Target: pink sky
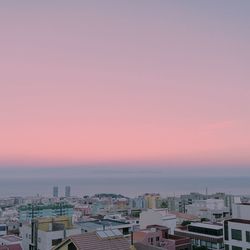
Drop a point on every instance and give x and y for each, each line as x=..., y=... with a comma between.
x=113, y=81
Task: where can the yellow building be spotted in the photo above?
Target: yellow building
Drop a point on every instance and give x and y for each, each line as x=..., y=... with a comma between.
x=152, y=200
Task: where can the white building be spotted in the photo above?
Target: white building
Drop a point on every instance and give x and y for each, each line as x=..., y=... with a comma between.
x=237, y=234
x=47, y=233
x=207, y=235
x=159, y=217
x=211, y=209
x=241, y=211
x=138, y=202
x=106, y=224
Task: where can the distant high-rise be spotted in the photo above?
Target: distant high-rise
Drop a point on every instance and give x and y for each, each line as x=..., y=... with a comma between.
x=55, y=191
x=67, y=191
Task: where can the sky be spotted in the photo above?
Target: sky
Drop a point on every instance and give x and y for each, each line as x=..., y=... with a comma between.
x=124, y=83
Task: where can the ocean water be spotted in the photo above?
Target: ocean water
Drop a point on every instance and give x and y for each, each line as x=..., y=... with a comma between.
x=127, y=182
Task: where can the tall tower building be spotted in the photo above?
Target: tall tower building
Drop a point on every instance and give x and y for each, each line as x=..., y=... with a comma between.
x=55, y=191
x=67, y=191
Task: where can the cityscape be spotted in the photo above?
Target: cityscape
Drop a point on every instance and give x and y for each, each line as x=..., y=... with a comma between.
x=125, y=125
x=149, y=221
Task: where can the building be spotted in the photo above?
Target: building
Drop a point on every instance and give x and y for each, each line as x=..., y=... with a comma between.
x=182, y=217
x=138, y=203
x=152, y=200
x=44, y=233
x=67, y=191
x=55, y=191
x=229, y=199
x=106, y=224
x=26, y=213
x=210, y=209
x=203, y=234
x=7, y=202
x=237, y=234
x=11, y=247
x=241, y=211
x=10, y=241
x=158, y=217
x=99, y=240
x=175, y=204
x=188, y=199
x=158, y=237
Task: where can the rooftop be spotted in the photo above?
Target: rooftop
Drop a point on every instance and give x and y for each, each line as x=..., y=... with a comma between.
x=240, y=221
x=244, y=203
x=184, y=216
x=45, y=206
x=93, y=241
x=207, y=225
x=11, y=238
x=11, y=247
x=102, y=223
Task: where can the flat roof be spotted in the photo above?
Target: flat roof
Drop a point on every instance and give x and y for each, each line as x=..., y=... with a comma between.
x=207, y=225
x=100, y=223
x=190, y=234
x=37, y=207
x=239, y=221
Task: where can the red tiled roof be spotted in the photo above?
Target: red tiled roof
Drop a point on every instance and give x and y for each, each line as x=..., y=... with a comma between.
x=90, y=241
x=11, y=238
x=11, y=247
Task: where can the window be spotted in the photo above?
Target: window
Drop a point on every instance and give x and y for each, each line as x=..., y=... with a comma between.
x=214, y=245
x=203, y=243
x=209, y=245
x=226, y=247
x=236, y=248
x=71, y=246
x=157, y=238
x=221, y=246
x=236, y=234
x=56, y=242
x=247, y=236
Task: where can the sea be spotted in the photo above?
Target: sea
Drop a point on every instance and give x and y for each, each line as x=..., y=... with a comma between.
x=129, y=182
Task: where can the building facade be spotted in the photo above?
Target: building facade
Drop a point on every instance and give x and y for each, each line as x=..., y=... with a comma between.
x=44, y=233
x=203, y=235
x=55, y=192
x=26, y=213
x=67, y=191
x=237, y=234
x=160, y=217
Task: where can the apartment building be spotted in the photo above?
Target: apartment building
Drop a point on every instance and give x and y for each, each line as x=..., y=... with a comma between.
x=237, y=234
x=203, y=234
x=44, y=233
